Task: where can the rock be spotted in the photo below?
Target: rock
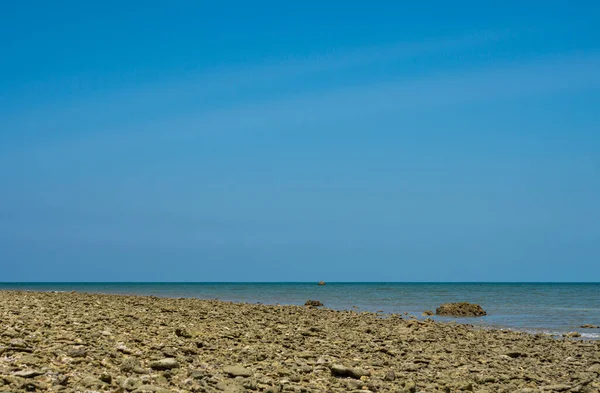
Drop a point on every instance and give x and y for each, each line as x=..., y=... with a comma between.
x=92, y=382
x=132, y=364
x=594, y=368
x=556, y=388
x=197, y=374
x=124, y=349
x=12, y=333
x=151, y=389
x=106, y=378
x=28, y=373
x=77, y=352
x=339, y=370
x=321, y=283
x=164, y=364
x=462, y=309
x=410, y=387
x=130, y=384
x=516, y=354
x=390, y=376
x=237, y=371
x=18, y=343
x=572, y=335
x=169, y=352
x=29, y=360
x=180, y=332
x=427, y=313
x=230, y=387
x=589, y=326
x=313, y=303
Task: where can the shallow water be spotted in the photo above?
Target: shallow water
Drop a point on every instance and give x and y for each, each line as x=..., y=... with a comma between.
x=541, y=307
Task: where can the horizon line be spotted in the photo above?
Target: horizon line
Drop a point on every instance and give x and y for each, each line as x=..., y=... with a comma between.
x=298, y=282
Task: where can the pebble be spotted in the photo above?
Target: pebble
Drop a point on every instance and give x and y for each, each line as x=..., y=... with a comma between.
x=164, y=364
x=237, y=371
x=343, y=371
x=28, y=373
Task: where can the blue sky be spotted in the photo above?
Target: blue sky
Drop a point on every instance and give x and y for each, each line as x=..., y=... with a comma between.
x=299, y=141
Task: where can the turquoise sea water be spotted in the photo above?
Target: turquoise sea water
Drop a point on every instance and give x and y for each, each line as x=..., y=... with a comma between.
x=544, y=307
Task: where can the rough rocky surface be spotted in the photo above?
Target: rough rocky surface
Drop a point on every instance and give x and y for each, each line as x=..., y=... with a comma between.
x=462, y=309
x=73, y=342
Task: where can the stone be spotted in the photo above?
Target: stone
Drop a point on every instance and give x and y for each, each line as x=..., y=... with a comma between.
x=130, y=384
x=556, y=388
x=164, y=364
x=106, y=378
x=29, y=360
x=516, y=354
x=339, y=370
x=410, y=387
x=589, y=326
x=92, y=382
x=461, y=309
x=10, y=332
x=572, y=335
x=594, y=368
x=181, y=332
x=427, y=313
x=389, y=376
x=151, y=389
x=313, y=303
x=18, y=343
x=132, y=364
x=230, y=387
x=77, y=352
x=28, y=373
x=237, y=371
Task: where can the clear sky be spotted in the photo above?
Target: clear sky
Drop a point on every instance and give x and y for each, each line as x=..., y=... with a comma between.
x=299, y=141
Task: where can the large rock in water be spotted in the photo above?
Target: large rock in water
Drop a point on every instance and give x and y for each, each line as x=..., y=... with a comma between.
x=462, y=309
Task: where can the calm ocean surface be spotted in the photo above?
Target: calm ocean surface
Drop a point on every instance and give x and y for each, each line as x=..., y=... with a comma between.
x=552, y=308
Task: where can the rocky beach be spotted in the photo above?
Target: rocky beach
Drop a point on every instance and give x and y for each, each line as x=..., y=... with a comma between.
x=78, y=342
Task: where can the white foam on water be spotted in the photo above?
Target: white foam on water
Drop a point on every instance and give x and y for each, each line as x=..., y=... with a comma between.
x=591, y=335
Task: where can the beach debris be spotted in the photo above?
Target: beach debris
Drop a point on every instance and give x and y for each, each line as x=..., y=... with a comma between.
x=460, y=309
x=313, y=303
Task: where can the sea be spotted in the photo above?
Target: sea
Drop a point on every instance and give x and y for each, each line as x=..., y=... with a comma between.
x=553, y=308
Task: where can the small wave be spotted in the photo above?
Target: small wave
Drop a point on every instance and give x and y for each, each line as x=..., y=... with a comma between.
x=590, y=335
